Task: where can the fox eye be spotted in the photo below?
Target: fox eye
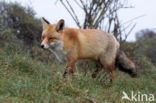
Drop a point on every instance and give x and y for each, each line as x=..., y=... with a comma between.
x=52, y=38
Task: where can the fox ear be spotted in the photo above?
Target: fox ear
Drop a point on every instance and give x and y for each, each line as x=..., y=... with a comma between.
x=60, y=25
x=45, y=22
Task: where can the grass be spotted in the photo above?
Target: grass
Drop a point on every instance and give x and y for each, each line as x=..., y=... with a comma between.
x=27, y=80
x=33, y=76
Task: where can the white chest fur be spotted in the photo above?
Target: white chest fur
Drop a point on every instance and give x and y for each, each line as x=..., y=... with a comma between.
x=57, y=49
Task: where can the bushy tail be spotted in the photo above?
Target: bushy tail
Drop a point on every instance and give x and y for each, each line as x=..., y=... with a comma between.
x=125, y=64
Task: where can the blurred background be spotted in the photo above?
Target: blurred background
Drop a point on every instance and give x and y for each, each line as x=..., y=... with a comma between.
x=29, y=74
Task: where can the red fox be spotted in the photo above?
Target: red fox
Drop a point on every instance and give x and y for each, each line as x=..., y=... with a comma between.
x=71, y=45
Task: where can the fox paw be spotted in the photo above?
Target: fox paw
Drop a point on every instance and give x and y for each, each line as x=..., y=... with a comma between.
x=65, y=74
x=94, y=75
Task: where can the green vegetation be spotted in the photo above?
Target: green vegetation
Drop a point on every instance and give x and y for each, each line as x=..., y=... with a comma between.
x=29, y=74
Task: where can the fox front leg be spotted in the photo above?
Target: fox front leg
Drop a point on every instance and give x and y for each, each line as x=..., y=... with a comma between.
x=70, y=68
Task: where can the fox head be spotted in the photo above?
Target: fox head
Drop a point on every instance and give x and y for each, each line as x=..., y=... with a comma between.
x=51, y=35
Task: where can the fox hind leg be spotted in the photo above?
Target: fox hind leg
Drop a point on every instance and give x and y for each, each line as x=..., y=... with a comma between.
x=112, y=71
x=108, y=61
x=99, y=68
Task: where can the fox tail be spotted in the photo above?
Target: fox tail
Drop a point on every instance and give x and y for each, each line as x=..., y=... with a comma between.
x=123, y=63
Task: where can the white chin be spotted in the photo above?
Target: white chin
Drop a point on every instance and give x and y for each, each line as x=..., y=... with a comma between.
x=46, y=46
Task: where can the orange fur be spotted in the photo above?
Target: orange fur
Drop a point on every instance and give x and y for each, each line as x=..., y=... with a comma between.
x=83, y=44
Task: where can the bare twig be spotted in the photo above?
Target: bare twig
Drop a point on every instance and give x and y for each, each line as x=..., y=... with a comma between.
x=78, y=4
x=129, y=32
x=72, y=10
x=100, y=12
x=133, y=19
x=78, y=24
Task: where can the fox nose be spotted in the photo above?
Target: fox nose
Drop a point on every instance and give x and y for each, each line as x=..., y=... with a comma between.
x=42, y=46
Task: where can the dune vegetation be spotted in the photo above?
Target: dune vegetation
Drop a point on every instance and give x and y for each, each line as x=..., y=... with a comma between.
x=29, y=74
